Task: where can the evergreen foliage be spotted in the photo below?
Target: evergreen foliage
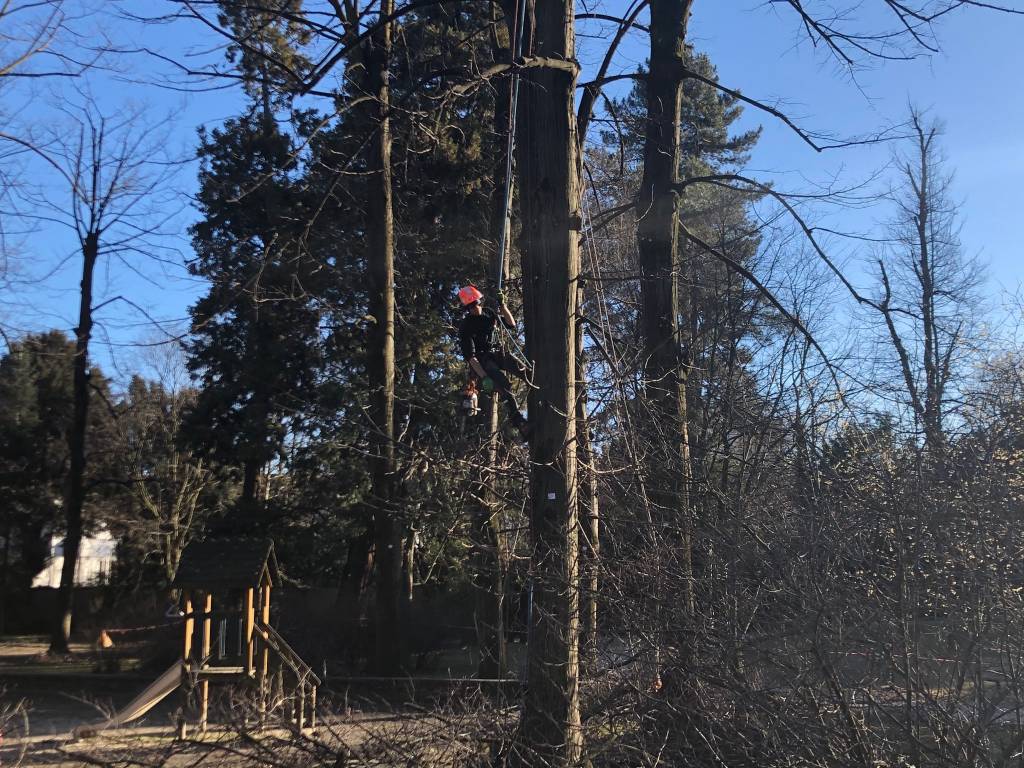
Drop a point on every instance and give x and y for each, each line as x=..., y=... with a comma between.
x=36, y=411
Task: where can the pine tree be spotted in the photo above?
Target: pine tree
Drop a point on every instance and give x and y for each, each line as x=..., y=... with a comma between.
x=255, y=344
x=36, y=416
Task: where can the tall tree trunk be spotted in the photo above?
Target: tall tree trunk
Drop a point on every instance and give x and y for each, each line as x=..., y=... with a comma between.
x=74, y=498
x=590, y=525
x=491, y=560
x=491, y=567
x=358, y=571
x=410, y=541
x=250, y=482
x=658, y=241
x=352, y=598
x=932, y=415
x=550, y=208
x=381, y=355
x=4, y=570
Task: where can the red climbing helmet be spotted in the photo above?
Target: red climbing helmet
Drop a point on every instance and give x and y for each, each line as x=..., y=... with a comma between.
x=469, y=294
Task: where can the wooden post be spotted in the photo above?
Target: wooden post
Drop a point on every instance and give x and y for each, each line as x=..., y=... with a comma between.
x=186, y=646
x=278, y=694
x=264, y=663
x=204, y=686
x=312, y=707
x=186, y=653
x=250, y=618
x=300, y=705
x=265, y=618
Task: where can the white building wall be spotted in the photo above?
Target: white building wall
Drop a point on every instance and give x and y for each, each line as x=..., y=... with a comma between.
x=95, y=559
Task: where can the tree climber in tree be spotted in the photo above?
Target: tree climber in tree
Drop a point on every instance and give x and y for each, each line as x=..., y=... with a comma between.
x=486, y=360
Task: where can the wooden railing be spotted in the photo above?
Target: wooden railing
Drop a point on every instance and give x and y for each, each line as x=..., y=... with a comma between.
x=305, y=680
x=280, y=646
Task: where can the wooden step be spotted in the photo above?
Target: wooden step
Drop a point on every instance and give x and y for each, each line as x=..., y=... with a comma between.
x=220, y=673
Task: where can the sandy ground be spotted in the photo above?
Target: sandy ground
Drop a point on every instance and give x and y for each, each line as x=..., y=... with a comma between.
x=59, y=706
x=23, y=654
x=59, y=695
x=386, y=739
x=26, y=649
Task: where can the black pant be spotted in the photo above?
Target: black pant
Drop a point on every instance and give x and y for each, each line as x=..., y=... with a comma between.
x=496, y=365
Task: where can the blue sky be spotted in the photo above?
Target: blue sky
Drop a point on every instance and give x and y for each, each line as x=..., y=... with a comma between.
x=972, y=86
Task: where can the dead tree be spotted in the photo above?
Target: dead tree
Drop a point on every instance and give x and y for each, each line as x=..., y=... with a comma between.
x=927, y=312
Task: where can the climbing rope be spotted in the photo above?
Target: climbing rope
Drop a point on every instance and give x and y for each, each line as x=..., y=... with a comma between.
x=519, y=23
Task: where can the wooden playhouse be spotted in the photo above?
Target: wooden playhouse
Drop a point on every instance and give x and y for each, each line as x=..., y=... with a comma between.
x=226, y=586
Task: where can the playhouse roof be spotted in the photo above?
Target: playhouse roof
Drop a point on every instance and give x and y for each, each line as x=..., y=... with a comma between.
x=227, y=562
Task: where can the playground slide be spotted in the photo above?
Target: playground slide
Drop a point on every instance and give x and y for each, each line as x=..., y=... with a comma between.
x=141, y=704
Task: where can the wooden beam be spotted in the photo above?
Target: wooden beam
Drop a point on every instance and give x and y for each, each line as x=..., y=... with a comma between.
x=190, y=625
x=207, y=618
x=186, y=653
x=250, y=620
x=265, y=619
x=264, y=666
x=204, y=685
x=312, y=707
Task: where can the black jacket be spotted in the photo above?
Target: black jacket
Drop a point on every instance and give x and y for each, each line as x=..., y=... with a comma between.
x=476, y=333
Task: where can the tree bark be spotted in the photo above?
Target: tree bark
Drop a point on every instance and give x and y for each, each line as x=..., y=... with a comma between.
x=74, y=498
x=590, y=525
x=492, y=558
x=250, y=482
x=932, y=416
x=389, y=657
x=550, y=211
x=4, y=569
x=352, y=598
x=489, y=582
x=658, y=243
x=923, y=209
x=409, y=544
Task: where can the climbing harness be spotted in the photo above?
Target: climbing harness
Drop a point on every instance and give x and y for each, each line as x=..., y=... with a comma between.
x=470, y=403
x=470, y=399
